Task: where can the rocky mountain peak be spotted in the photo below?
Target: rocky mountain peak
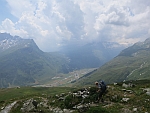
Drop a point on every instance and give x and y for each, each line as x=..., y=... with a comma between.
x=7, y=41
x=4, y=36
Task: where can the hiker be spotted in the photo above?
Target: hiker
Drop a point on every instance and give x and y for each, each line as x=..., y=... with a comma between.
x=101, y=90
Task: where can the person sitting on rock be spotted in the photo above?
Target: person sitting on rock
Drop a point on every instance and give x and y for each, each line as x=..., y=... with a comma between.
x=101, y=90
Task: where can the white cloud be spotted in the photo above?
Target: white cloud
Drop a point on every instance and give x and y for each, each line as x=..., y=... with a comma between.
x=53, y=23
x=9, y=26
x=17, y=7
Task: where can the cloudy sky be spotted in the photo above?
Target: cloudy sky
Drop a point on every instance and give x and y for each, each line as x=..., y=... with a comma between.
x=55, y=23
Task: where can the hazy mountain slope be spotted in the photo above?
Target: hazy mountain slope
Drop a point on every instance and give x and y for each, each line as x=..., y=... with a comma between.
x=131, y=64
x=91, y=55
x=23, y=63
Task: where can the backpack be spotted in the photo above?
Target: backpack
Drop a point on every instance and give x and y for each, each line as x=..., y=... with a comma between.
x=102, y=85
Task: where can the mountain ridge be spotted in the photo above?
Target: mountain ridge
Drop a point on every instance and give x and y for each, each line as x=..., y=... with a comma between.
x=131, y=64
x=23, y=63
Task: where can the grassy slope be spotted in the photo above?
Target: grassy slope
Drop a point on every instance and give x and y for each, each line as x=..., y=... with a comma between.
x=8, y=94
x=121, y=68
x=30, y=65
x=113, y=99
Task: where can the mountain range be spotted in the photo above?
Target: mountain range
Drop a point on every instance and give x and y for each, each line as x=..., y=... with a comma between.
x=133, y=63
x=23, y=63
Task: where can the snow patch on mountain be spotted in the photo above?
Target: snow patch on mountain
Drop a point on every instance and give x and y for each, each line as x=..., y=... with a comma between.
x=8, y=43
x=112, y=45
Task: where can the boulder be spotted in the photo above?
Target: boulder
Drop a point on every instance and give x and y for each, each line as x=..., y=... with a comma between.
x=128, y=85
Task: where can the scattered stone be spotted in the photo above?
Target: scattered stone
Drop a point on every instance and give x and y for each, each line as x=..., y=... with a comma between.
x=146, y=90
x=8, y=108
x=85, y=96
x=27, y=106
x=57, y=96
x=129, y=91
x=127, y=85
x=147, y=100
x=18, y=87
x=61, y=98
x=2, y=108
x=57, y=110
x=80, y=107
x=123, y=89
x=125, y=99
x=135, y=109
x=53, y=101
x=66, y=111
x=125, y=95
x=148, y=93
x=43, y=94
x=114, y=97
x=125, y=110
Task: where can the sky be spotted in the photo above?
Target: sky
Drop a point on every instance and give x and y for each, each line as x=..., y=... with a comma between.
x=57, y=23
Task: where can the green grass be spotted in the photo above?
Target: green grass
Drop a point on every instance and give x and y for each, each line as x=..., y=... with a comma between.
x=113, y=98
x=16, y=93
x=126, y=66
